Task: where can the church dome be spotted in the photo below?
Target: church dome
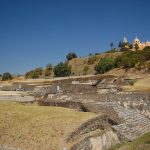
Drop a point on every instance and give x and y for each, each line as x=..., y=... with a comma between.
x=136, y=40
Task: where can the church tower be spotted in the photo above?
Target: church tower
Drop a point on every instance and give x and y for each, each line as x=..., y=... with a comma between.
x=136, y=42
x=124, y=40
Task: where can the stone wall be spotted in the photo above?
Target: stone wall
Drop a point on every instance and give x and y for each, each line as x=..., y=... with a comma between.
x=78, y=88
x=100, y=122
x=101, y=142
x=64, y=88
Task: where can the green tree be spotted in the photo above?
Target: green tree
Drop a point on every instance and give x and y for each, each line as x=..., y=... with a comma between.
x=130, y=46
x=104, y=65
x=62, y=70
x=136, y=46
x=39, y=70
x=131, y=59
x=6, y=76
x=71, y=55
x=35, y=75
x=49, y=66
x=48, y=70
x=111, y=45
x=29, y=74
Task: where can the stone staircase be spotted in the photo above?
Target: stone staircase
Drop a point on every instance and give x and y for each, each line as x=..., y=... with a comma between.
x=133, y=123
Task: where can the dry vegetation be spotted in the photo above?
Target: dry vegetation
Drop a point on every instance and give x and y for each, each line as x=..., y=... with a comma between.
x=78, y=64
x=34, y=127
x=142, y=85
x=141, y=143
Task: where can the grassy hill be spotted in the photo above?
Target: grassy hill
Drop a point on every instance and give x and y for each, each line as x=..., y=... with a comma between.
x=137, y=61
x=86, y=65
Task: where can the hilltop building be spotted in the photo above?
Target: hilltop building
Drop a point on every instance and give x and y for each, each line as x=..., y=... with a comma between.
x=141, y=45
x=136, y=43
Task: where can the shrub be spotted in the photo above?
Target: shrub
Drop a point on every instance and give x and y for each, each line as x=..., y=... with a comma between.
x=48, y=70
x=104, y=65
x=85, y=70
x=71, y=55
x=38, y=71
x=6, y=76
x=131, y=59
x=34, y=74
x=111, y=51
x=62, y=70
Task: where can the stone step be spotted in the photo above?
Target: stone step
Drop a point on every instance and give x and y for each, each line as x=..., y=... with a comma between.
x=134, y=124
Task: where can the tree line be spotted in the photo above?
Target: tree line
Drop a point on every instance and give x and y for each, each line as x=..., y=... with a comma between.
x=128, y=59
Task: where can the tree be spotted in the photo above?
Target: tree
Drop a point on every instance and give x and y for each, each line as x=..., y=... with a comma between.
x=6, y=76
x=104, y=65
x=131, y=59
x=48, y=70
x=62, y=70
x=34, y=73
x=111, y=45
x=71, y=55
x=39, y=70
x=130, y=46
x=124, y=46
x=120, y=44
x=136, y=46
x=49, y=66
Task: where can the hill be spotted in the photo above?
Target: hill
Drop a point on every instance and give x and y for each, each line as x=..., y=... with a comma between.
x=125, y=60
x=86, y=65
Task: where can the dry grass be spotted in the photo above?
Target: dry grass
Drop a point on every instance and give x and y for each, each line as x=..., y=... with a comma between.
x=33, y=127
x=141, y=143
x=78, y=64
x=141, y=85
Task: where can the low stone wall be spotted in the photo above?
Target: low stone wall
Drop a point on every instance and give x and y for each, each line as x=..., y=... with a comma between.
x=78, y=88
x=104, y=141
x=45, y=90
x=68, y=104
x=64, y=88
x=101, y=122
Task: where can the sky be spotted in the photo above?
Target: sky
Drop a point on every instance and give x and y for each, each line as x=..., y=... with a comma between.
x=34, y=33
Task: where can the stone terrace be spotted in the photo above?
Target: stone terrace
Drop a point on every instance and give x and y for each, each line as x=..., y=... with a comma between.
x=133, y=125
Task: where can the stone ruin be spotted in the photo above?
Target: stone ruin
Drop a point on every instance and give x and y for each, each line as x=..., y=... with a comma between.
x=125, y=115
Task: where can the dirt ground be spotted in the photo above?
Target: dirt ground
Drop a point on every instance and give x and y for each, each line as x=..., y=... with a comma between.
x=33, y=127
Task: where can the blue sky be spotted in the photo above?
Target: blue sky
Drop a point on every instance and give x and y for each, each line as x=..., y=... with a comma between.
x=34, y=33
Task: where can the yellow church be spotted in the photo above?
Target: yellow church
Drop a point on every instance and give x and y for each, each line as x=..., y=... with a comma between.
x=141, y=45
x=137, y=42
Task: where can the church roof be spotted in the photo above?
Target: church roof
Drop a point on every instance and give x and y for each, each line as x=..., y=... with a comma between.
x=125, y=40
x=136, y=39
